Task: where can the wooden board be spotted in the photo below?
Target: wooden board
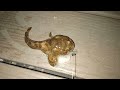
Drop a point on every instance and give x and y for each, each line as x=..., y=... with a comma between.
x=96, y=39
x=109, y=14
x=12, y=72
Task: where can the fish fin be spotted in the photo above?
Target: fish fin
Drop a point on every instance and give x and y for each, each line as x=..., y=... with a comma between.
x=50, y=35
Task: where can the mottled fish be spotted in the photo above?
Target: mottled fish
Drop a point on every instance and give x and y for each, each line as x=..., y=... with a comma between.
x=53, y=46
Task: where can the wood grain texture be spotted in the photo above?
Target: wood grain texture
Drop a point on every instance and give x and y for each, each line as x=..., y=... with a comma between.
x=109, y=14
x=96, y=39
x=12, y=72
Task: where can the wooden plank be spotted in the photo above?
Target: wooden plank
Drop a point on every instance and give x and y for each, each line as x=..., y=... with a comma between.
x=109, y=14
x=96, y=39
x=20, y=51
x=12, y=72
x=36, y=68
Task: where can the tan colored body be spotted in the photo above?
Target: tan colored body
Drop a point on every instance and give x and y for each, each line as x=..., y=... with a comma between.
x=53, y=47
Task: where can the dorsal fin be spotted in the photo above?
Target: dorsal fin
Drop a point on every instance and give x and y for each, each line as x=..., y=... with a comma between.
x=50, y=35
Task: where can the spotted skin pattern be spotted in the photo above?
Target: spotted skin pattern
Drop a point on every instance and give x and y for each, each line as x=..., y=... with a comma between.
x=53, y=47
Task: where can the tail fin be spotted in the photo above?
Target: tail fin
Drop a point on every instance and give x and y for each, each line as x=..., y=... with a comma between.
x=31, y=43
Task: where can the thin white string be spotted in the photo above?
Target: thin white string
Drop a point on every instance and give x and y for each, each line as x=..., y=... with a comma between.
x=75, y=65
x=74, y=73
